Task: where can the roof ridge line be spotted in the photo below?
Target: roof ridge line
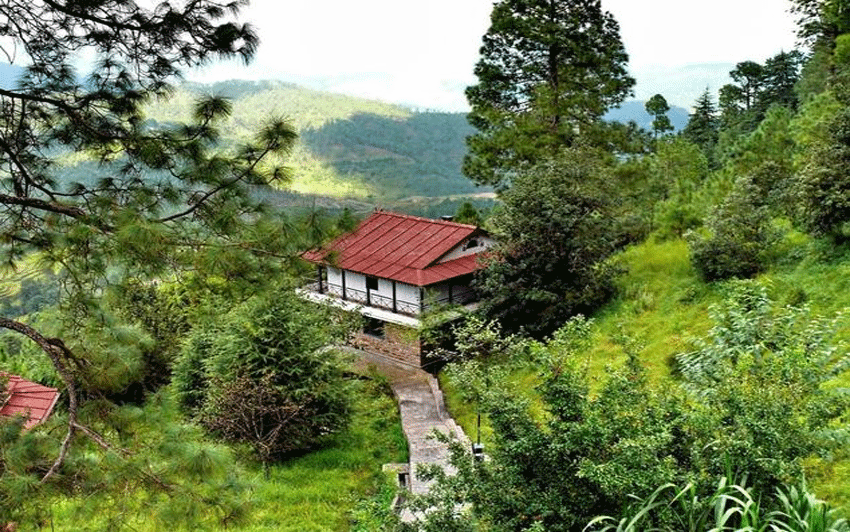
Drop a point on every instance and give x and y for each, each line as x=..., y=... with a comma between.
x=424, y=219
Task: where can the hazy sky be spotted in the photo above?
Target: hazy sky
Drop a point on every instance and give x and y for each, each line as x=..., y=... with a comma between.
x=423, y=53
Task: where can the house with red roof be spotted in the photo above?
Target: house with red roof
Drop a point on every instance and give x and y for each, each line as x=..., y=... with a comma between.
x=394, y=267
x=24, y=398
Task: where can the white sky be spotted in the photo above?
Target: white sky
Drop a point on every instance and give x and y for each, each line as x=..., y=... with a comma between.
x=423, y=53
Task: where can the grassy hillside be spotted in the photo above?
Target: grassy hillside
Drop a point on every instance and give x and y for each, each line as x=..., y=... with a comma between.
x=663, y=305
x=315, y=491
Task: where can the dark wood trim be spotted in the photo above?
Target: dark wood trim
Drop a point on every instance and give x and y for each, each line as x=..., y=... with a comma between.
x=395, y=302
x=319, y=274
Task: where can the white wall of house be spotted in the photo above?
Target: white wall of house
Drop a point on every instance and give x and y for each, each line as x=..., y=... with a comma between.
x=383, y=296
x=334, y=281
x=464, y=248
x=385, y=288
x=407, y=296
x=334, y=275
x=355, y=286
x=355, y=283
x=407, y=293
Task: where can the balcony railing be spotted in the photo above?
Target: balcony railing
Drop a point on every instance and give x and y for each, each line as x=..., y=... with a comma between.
x=460, y=295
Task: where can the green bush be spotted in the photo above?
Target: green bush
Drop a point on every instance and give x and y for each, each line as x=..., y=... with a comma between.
x=737, y=238
x=823, y=183
x=557, y=232
x=264, y=374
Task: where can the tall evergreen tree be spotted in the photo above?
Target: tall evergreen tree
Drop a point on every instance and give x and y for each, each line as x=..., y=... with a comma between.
x=703, y=126
x=781, y=73
x=749, y=76
x=757, y=87
x=548, y=70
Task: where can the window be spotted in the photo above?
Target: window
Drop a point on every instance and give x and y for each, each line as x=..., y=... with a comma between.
x=371, y=283
x=471, y=243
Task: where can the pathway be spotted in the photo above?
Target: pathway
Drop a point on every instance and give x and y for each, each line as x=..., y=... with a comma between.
x=422, y=410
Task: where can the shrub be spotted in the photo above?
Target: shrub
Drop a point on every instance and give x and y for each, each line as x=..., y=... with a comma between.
x=265, y=375
x=737, y=238
x=558, y=232
x=823, y=186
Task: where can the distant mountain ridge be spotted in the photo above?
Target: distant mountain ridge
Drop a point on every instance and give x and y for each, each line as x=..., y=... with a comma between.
x=635, y=111
x=347, y=146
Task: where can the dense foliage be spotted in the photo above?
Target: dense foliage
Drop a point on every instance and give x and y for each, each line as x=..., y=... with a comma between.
x=737, y=238
x=160, y=204
x=154, y=239
x=557, y=230
x=730, y=507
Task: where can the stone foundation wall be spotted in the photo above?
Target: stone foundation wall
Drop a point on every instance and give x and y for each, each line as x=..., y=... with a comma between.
x=399, y=342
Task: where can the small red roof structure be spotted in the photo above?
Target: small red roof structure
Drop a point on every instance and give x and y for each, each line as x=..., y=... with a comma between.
x=402, y=248
x=33, y=401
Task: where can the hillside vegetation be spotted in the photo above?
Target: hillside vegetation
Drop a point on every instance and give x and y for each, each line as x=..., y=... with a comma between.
x=376, y=152
x=663, y=338
x=662, y=309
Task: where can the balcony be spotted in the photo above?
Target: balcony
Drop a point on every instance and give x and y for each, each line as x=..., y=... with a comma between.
x=381, y=307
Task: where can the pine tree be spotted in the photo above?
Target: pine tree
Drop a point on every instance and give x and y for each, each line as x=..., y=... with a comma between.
x=549, y=70
x=702, y=128
x=157, y=200
x=781, y=73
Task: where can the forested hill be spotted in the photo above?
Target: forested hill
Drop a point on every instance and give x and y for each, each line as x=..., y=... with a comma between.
x=369, y=152
x=361, y=149
x=348, y=147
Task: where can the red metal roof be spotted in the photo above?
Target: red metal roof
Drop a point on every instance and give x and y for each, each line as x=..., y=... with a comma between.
x=402, y=248
x=32, y=400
